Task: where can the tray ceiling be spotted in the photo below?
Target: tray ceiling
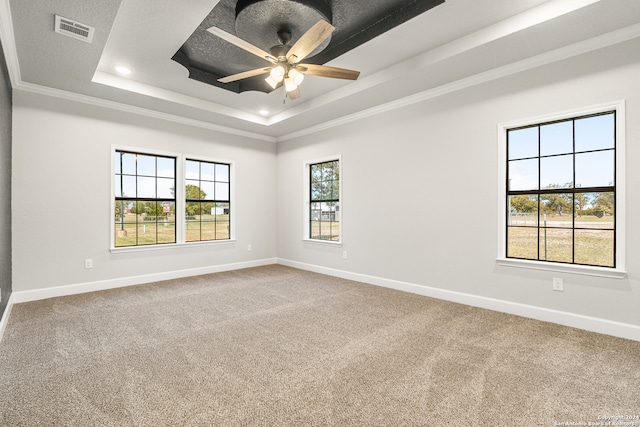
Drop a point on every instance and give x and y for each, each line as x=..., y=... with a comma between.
x=442, y=48
x=209, y=58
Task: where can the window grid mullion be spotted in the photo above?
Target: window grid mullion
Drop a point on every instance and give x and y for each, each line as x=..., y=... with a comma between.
x=214, y=201
x=573, y=195
x=154, y=203
x=615, y=186
x=323, y=185
x=573, y=192
x=539, y=198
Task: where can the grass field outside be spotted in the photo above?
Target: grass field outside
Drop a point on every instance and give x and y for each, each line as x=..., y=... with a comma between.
x=137, y=230
x=207, y=227
x=554, y=239
x=325, y=230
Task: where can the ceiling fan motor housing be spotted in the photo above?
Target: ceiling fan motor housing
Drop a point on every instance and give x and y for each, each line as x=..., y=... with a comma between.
x=279, y=51
x=269, y=23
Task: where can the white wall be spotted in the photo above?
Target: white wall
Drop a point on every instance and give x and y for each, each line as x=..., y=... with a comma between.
x=420, y=188
x=419, y=202
x=61, y=193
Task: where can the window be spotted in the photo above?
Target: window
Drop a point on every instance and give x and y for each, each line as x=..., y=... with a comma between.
x=324, y=201
x=145, y=201
x=169, y=198
x=561, y=191
x=207, y=201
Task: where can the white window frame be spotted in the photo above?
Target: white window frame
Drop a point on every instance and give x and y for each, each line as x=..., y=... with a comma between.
x=181, y=159
x=619, y=271
x=307, y=200
x=232, y=198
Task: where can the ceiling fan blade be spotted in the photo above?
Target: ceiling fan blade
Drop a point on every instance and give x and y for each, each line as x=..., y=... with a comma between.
x=326, y=71
x=237, y=41
x=244, y=75
x=294, y=94
x=309, y=41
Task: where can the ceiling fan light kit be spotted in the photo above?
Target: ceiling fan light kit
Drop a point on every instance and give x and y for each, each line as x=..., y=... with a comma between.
x=289, y=85
x=272, y=82
x=265, y=24
x=296, y=76
x=277, y=73
x=287, y=20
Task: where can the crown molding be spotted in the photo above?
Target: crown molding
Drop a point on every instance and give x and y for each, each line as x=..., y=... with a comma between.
x=144, y=89
x=9, y=43
x=540, y=14
x=11, y=58
x=579, y=48
x=483, y=36
x=99, y=102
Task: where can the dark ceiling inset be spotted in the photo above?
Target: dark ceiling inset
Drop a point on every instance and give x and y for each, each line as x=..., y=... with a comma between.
x=260, y=22
x=209, y=58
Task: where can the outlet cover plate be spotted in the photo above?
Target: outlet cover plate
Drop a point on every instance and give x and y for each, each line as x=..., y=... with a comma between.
x=558, y=284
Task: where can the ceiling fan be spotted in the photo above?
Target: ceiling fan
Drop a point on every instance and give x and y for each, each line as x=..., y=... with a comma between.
x=285, y=60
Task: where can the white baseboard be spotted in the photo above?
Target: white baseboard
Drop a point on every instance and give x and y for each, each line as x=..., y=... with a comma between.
x=5, y=316
x=593, y=324
x=79, y=288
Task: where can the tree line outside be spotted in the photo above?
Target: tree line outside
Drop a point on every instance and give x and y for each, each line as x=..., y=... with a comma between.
x=586, y=204
x=563, y=227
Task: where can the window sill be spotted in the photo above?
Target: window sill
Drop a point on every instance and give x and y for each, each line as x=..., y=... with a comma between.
x=166, y=246
x=611, y=273
x=323, y=242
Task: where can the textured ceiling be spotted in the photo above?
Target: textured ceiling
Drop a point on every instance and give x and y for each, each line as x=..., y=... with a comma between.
x=449, y=47
x=209, y=58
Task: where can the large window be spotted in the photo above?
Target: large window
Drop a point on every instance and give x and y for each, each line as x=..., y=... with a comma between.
x=163, y=198
x=207, y=201
x=324, y=201
x=145, y=200
x=561, y=191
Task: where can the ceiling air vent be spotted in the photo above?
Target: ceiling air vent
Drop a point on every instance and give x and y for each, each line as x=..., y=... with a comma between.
x=74, y=29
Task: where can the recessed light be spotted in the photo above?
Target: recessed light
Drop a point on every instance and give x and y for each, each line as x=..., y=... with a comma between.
x=264, y=112
x=123, y=70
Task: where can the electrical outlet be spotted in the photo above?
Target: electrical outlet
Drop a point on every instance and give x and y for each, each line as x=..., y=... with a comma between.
x=88, y=263
x=344, y=254
x=558, y=284
x=249, y=247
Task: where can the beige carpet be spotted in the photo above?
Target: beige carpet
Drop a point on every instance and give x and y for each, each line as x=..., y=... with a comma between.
x=276, y=346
